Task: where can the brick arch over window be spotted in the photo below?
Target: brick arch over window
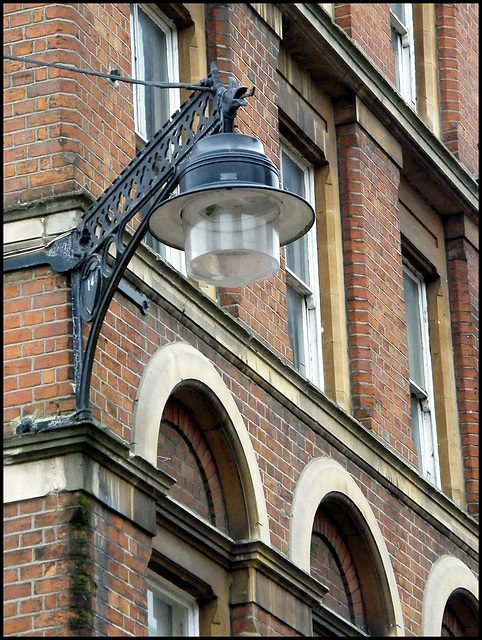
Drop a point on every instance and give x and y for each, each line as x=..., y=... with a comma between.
x=325, y=483
x=183, y=453
x=331, y=562
x=450, y=600
x=179, y=371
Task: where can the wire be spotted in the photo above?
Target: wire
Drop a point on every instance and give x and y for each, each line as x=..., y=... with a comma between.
x=113, y=75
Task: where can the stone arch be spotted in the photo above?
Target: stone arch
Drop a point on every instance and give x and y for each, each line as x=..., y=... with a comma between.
x=448, y=577
x=324, y=480
x=180, y=369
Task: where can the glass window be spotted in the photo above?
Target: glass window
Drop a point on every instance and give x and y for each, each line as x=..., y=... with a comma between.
x=421, y=386
x=153, y=106
x=303, y=298
x=151, y=33
x=170, y=611
x=401, y=22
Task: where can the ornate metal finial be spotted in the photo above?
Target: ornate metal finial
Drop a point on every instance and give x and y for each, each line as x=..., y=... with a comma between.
x=230, y=99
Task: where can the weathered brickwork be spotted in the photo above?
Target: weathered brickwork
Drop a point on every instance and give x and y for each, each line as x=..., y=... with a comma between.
x=62, y=134
x=38, y=371
x=373, y=267
x=458, y=47
x=38, y=561
x=120, y=557
x=368, y=25
x=464, y=278
x=72, y=567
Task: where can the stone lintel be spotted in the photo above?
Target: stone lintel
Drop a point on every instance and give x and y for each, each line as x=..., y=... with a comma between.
x=88, y=458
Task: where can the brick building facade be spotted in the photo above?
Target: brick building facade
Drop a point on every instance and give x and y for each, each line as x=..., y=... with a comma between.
x=294, y=457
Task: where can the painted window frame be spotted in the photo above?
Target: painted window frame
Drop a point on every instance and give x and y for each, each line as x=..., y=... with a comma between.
x=183, y=607
x=307, y=291
x=169, y=30
x=174, y=256
x=403, y=43
x=421, y=391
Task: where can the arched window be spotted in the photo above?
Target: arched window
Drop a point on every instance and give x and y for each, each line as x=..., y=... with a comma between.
x=335, y=536
x=187, y=425
x=450, y=600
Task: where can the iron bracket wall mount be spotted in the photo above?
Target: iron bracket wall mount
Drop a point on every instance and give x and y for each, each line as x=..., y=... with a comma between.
x=97, y=252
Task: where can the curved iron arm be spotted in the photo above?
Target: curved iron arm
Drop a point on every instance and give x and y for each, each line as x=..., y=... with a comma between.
x=98, y=251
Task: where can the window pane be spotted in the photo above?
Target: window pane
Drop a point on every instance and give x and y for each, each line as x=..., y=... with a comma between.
x=296, y=252
x=397, y=45
x=166, y=617
x=150, y=63
x=397, y=9
x=159, y=616
x=415, y=407
x=414, y=330
x=303, y=302
x=296, y=328
x=297, y=259
x=293, y=176
x=153, y=50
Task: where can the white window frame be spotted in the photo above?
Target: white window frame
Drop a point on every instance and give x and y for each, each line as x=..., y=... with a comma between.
x=175, y=257
x=172, y=59
x=311, y=329
x=422, y=397
x=183, y=607
x=404, y=48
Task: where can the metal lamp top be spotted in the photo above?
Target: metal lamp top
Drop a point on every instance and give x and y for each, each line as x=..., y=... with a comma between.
x=222, y=167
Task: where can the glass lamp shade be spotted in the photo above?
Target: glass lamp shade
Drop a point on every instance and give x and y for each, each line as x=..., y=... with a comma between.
x=232, y=236
x=230, y=217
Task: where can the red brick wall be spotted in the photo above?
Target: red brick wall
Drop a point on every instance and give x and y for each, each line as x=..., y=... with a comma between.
x=458, y=48
x=37, y=339
x=464, y=299
x=65, y=132
x=121, y=553
x=36, y=584
x=368, y=25
x=73, y=568
x=374, y=288
x=413, y=544
x=283, y=446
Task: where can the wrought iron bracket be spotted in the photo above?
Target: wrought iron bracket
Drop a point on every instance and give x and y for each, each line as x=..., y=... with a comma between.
x=97, y=252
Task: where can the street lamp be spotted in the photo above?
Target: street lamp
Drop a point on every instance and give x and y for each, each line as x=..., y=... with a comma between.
x=230, y=216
